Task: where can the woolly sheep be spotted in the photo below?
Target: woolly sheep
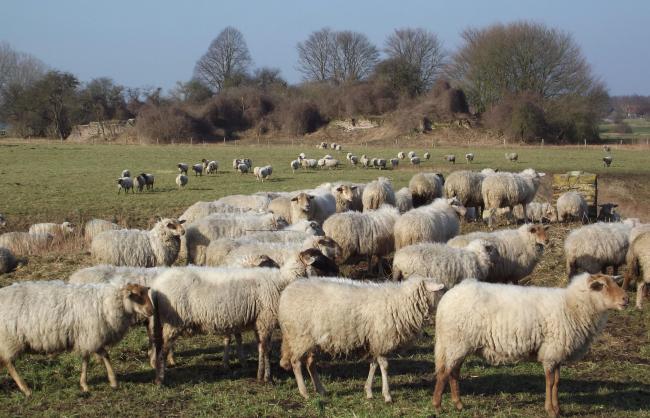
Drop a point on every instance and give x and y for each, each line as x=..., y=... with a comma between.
x=309, y=163
x=52, y=317
x=63, y=229
x=182, y=168
x=608, y=213
x=263, y=173
x=607, y=161
x=638, y=265
x=340, y=316
x=519, y=250
x=339, y=147
x=403, y=200
x=450, y=158
x=512, y=156
x=138, y=248
x=24, y=243
x=505, y=324
x=380, y=163
x=394, y=162
x=466, y=186
x=249, y=202
x=212, y=167
x=323, y=145
x=242, y=168
x=426, y=156
x=469, y=157
x=447, y=265
x=126, y=184
x=401, y=155
x=411, y=154
x=415, y=160
x=354, y=160
x=571, y=205
x=436, y=222
x=198, y=169
x=148, y=180
x=501, y=190
x=295, y=164
x=331, y=163
x=226, y=300
x=593, y=247
x=126, y=173
x=181, y=180
x=537, y=212
x=8, y=261
x=348, y=196
x=321, y=162
x=202, y=209
x=377, y=193
x=606, y=148
x=365, y=161
x=425, y=187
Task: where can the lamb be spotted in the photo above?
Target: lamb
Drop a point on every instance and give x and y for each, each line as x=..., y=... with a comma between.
x=537, y=212
x=24, y=243
x=295, y=164
x=200, y=233
x=198, y=169
x=505, y=324
x=638, y=265
x=226, y=300
x=138, y=248
x=364, y=234
x=403, y=200
x=501, y=190
x=607, y=161
x=571, y=205
x=126, y=184
x=469, y=157
x=182, y=168
x=126, y=173
x=466, y=186
x=263, y=173
x=512, y=156
x=451, y=158
x=367, y=318
x=348, y=196
x=181, y=180
x=377, y=193
x=61, y=230
x=415, y=160
x=426, y=156
x=447, y=265
x=8, y=261
x=593, y=247
x=519, y=250
x=436, y=222
x=425, y=187
x=401, y=155
x=52, y=317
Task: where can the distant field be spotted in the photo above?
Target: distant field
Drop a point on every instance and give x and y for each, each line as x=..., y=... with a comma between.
x=52, y=182
x=640, y=131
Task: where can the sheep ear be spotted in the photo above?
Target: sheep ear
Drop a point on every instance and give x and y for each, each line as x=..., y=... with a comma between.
x=339, y=189
x=433, y=287
x=182, y=221
x=546, y=227
x=353, y=187
x=294, y=199
x=596, y=285
x=618, y=279
x=614, y=206
x=310, y=197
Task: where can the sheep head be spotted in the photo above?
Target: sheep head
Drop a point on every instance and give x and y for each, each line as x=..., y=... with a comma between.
x=605, y=293
x=136, y=299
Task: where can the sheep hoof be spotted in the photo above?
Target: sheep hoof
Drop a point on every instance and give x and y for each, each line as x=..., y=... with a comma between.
x=459, y=406
x=27, y=393
x=113, y=385
x=388, y=399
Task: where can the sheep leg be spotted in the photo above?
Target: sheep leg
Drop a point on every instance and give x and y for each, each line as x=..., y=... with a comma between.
x=371, y=377
x=454, y=377
x=442, y=376
x=385, y=389
x=313, y=373
x=160, y=358
x=297, y=372
x=112, y=380
x=264, y=363
x=556, y=386
x=226, y=352
x=240, y=349
x=640, y=292
x=19, y=380
x=84, y=373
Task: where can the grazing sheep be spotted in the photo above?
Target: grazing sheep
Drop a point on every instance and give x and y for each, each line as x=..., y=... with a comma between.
x=323, y=145
x=445, y=264
x=226, y=300
x=52, y=317
x=348, y=196
x=638, y=265
x=502, y=190
x=321, y=162
x=608, y=213
x=451, y=158
x=317, y=205
x=198, y=169
x=61, y=230
x=212, y=167
x=363, y=235
x=309, y=163
x=126, y=184
x=126, y=173
x=512, y=156
x=519, y=250
x=339, y=147
x=365, y=161
x=536, y=212
x=138, y=248
x=24, y=243
x=394, y=162
x=243, y=168
x=505, y=324
x=367, y=318
x=466, y=186
x=571, y=205
x=436, y=222
x=425, y=187
x=354, y=160
x=182, y=168
x=469, y=157
x=263, y=173
x=426, y=156
x=94, y=227
x=415, y=160
x=377, y=193
x=607, y=161
x=295, y=164
x=181, y=180
x=403, y=200
x=401, y=155
x=379, y=163
x=411, y=154
x=8, y=261
x=594, y=247
x=331, y=163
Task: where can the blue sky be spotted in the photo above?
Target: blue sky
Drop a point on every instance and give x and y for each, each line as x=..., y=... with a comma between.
x=156, y=43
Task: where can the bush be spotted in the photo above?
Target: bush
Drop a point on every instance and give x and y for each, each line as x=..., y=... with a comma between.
x=165, y=123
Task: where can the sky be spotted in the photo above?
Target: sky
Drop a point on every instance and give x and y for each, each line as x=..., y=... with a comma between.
x=156, y=43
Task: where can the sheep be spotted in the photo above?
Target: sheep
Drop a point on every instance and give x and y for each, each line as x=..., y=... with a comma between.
x=536, y=212
x=263, y=173
x=608, y=213
x=138, y=248
x=638, y=265
x=364, y=234
x=317, y=205
x=126, y=173
x=519, y=250
x=295, y=164
x=226, y=300
x=411, y=154
x=501, y=190
x=60, y=230
x=436, y=222
x=469, y=157
x=257, y=202
x=425, y=187
x=126, y=184
x=309, y=163
x=377, y=193
x=415, y=160
x=198, y=169
x=321, y=162
x=607, y=161
x=403, y=200
x=606, y=148
x=24, y=243
x=380, y=163
x=348, y=156
x=323, y=145
x=243, y=168
x=202, y=209
x=52, y=317
x=426, y=156
x=447, y=265
x=571, y=205
x=505, y=324
x=450, y=158
x=367, y=318
x=331, y=163
x=466, y=186
x=339, y=147
x=512, y=156
x=401, y=155
x=8, y=261
x=212, y=167
x=394, y=162
x=181, y=180
x=302, y=156
x=593, y=247
x=199, y=234
x=354, y=160
x=182, y=168
x=348, y=196
x=3, y=221
x=365, y=161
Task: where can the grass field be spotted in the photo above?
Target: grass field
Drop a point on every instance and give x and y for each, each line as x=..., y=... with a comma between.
x=53, y=182
x=640, y=132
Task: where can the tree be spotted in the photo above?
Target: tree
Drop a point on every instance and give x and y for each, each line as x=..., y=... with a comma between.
x=192, y=91
x=17, y=70
x=419, y=48
x=266, y=78
x=226, y=60
x=316, y=55
x=400, y=75
x=101, y=99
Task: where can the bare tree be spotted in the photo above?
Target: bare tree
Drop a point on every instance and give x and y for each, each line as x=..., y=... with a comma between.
x=227, y=59
x=419, y=48
x=316, y=55
x=18, y=69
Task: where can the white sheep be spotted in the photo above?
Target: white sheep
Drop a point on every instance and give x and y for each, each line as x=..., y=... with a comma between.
x=450, y=158
x=365, y=161
x=403, y=200
x=138, y=248
x=425, y=187
x=263, y=173
x=401, y=155
x=24, y=243
x=379, y=163
x=436, y=222
x=536, y=212
x=571, y=205
x=126, y=173
x=309, y=163
x=126, y=184
x=254, y=202
x=638, y=264
x=354, y=160
x=331, y=163
x=519, y=250
x=52, y=317
x=182, y=168
x=348, y=196
x=411, y=154
x=63, y=229
x=94, y=227
x=469, y=157
x=377, y=193
x=181, y=180
x=607, y=161
x=506, y=323
x=295, y=164
x=594, y=247
x=502, y=190
x=202, y=209
x=466, y=186
x=512, y=156
x=340, y=316
x=447, y=265
x=426, y=155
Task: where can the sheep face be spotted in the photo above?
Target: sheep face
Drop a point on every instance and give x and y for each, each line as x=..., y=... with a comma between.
x=175, y=227
x=67, y=227
x=303, y=202
x=329, y=248
x=605, y=293
x=317, y=264
x=136, y=300
x=550, y=213
x=457, y=206
x=346, y=193
x=538, y=234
